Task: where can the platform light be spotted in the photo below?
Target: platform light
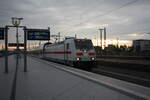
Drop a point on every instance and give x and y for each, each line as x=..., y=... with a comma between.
x=78, y=59
x=92, y=58
x=85, y=51
x=16, y=21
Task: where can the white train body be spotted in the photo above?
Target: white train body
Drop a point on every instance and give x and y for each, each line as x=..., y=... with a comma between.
x=71, y=51
x=38, y=51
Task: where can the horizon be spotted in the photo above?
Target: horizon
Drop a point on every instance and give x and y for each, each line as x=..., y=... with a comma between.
x=126, y=20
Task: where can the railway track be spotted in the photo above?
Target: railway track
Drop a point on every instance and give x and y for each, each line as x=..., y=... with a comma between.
x=140, y=78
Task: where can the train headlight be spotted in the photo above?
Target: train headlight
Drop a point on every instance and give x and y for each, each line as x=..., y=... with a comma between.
x=85, y=51
x=78, y=59
x=92, y=58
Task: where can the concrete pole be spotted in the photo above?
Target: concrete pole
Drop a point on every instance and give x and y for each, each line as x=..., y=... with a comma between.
x=75, y=36
x=25, y=50
x=101, y=44
x=49, y=33
x=105, y=41
x=59, y=37
x=104, y=38
x=17, y=39
x=6, y=49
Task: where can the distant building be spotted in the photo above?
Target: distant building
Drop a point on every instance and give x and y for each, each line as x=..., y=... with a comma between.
x=141, y=45
x=110, y=47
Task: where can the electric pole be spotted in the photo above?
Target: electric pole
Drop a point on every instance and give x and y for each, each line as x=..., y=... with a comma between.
x=101, y=41
x=59, y=37
x=104, y=38
x=117, y=43
x=49, y=33
x=75, y=36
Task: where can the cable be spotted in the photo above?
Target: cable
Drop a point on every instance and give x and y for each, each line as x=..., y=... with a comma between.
x=106, y=13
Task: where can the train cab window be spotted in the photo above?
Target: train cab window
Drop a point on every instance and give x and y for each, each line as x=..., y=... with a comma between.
x=83, y=44
x=67, y=45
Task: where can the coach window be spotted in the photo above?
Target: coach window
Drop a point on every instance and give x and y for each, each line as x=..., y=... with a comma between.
x=67, y=45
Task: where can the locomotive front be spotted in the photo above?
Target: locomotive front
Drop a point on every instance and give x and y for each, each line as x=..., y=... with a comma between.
x=84, y=52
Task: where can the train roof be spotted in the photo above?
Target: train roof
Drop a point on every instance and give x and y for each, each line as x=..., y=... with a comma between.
x=40, y=46
x=70, y=38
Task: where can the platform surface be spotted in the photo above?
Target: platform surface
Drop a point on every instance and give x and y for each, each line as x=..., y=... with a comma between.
x=48, y=81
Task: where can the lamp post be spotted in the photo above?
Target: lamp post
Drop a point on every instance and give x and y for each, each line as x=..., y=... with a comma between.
x=16, y=22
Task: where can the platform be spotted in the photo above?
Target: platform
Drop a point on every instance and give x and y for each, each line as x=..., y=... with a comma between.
x=50, y=81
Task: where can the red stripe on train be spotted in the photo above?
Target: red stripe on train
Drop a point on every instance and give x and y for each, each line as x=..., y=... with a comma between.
x=91, y=54
x=79, y=54
x=56, y=52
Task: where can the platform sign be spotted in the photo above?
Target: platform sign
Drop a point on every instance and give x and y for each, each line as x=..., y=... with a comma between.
x=15, y=44
x=2, y=30
x=38, y=34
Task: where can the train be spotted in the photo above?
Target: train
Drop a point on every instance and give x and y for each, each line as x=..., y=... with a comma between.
x=71, y=51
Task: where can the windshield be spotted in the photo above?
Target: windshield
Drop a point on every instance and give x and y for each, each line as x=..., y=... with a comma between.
x=83, y=44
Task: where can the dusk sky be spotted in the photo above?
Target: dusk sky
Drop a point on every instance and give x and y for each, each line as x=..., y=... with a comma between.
x=124, y=19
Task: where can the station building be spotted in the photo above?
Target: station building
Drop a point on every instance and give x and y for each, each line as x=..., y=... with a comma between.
x=141, y=45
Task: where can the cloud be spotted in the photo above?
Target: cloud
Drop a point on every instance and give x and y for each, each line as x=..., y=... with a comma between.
x=136, y=35
x=80, y=17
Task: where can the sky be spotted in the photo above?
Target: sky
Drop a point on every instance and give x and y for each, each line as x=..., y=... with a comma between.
x=125, y=20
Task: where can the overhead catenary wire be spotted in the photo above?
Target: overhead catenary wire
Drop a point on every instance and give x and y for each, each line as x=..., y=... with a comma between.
x=104, y=14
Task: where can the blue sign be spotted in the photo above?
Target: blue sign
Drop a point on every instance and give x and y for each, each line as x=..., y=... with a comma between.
x=2, y=30
x=38, y=34
x=15, y=45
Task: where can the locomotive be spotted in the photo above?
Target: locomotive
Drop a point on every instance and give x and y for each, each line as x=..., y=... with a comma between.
x=71, y=51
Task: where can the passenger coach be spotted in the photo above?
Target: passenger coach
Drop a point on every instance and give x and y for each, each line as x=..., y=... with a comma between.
x=71, y=51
